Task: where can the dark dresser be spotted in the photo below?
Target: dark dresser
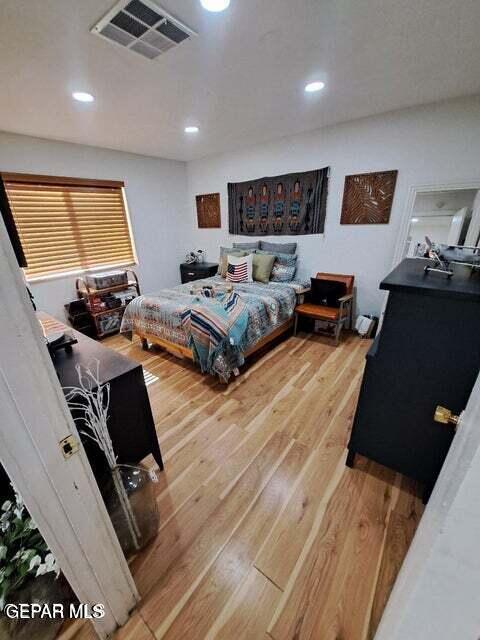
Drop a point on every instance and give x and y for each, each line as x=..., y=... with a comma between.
x=197, y=271
x=427, y=354
x=130, y=420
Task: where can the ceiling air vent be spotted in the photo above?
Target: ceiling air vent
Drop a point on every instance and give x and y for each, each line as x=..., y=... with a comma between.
x=142, y=27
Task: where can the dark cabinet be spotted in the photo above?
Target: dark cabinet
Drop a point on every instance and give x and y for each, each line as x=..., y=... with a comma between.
x=427, y=354
x=130, y=420
x=197, y=271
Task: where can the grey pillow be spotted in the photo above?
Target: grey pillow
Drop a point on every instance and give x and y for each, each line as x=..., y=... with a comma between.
x=278, y=247
x=247, y=246
x=284, y=267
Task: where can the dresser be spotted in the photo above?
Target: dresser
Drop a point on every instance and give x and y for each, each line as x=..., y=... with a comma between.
x=197, y=271
x=130, y=420
x=427, y=354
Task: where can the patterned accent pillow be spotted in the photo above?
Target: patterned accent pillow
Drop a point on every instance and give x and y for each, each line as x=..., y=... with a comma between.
x=284, y=267
x=222, y=262
x=247, y=246
x=278, y=247
x=239, y=269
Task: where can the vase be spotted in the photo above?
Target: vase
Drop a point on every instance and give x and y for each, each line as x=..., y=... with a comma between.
x=132, y=506
x=44, y=590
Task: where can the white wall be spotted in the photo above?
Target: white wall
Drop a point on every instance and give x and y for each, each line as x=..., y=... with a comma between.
x=434, y=144
x=155, y=190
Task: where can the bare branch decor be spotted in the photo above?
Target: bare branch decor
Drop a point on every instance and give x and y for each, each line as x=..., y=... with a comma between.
x=368, y=197
x=91, y=400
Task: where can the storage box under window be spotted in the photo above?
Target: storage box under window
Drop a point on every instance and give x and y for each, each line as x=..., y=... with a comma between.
x=106, y=279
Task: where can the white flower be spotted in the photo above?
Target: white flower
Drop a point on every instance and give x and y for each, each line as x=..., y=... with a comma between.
x=4, y=522
x=3, y=552
x=6, y=505
x=18, y=512
x=18, y=499
x=35, y=562
x=50, y=564
x=31, y=525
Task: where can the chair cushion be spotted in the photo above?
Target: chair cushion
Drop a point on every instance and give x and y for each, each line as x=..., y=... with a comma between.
x=262, y=267
x=278, y=247
x=317, y=311
x=327, y=292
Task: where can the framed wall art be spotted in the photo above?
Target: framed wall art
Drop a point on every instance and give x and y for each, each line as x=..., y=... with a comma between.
x=208, y=211
x=368, y=197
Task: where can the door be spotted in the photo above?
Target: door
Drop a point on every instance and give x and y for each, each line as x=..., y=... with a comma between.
x=60, y=492
x=473, y=233
x=436, y=595
x=456, y=227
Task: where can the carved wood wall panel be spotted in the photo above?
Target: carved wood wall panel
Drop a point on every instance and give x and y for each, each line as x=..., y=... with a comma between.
x=208, y=211
x=368, y=197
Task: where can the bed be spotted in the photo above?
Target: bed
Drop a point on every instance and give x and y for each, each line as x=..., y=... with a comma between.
x=160, y=319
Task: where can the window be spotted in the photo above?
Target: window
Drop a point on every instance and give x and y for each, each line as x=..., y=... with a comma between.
x=69, y=225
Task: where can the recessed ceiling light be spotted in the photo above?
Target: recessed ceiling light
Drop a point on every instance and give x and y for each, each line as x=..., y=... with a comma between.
x=191, y=129
x=311, y=87
x=415, y=220
x=215, y=5
x=82, y=96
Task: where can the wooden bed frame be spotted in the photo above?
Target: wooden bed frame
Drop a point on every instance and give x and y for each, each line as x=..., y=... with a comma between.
x=184, y=352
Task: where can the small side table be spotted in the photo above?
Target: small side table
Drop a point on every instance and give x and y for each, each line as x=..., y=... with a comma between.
x=197, y=271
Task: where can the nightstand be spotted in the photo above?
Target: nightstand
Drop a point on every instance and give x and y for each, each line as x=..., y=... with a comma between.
x=197, y=271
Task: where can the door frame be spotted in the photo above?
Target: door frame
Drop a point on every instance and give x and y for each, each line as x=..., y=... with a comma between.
x=408, y=211
x=61, y=494
x=435, y=594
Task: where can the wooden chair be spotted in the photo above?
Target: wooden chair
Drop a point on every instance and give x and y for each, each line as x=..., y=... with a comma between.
x=336, y=317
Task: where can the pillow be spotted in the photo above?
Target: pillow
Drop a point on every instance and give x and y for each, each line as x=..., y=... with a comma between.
x=247, y=246
x=327, y=292
x=278, y=247
x=262, y=266
x=222, y=262
x=284, y=267
x=239, y=269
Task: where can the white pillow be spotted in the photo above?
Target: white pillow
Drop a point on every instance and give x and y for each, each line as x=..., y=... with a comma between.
x=239, y=269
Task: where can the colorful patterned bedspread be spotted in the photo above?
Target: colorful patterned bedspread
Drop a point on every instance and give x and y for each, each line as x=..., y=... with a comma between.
x=161, y=314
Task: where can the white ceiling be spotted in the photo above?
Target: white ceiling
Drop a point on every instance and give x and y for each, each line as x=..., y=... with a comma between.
x=241, y=80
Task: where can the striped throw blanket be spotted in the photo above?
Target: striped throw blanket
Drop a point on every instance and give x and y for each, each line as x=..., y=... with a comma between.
x=217, y=326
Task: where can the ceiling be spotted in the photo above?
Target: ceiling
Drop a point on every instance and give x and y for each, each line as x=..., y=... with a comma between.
x=241, y=80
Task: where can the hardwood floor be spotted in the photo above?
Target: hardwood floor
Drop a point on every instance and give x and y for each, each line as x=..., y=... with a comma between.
x=265, y=534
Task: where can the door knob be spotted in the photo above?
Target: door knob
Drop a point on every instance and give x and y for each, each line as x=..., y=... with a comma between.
x=445, y=416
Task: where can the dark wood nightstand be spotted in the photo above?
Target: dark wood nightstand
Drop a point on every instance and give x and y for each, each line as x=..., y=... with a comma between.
x=197, y=271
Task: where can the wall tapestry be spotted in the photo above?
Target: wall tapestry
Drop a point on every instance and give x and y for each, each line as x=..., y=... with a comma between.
x=290, y=204
x=208, y=211
x=368, y=197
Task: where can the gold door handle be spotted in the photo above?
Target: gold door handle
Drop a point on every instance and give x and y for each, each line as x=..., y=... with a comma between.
x=445, y=416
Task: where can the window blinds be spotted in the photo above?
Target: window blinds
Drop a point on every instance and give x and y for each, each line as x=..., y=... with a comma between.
x=69, y=224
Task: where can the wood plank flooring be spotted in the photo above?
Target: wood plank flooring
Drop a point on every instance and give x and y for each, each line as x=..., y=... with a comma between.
x=264, y=533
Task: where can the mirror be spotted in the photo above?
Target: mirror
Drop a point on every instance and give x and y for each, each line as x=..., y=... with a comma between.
x=446, y=217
